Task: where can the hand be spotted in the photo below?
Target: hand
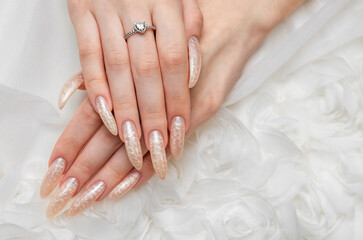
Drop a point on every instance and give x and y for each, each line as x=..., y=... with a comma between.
x=104, y=159
x=146, y=74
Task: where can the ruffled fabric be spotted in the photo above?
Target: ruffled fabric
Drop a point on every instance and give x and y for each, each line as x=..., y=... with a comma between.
x=281, y=160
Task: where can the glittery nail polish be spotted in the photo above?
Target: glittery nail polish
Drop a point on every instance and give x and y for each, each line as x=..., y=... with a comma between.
x=157, y=151
x=195, y=61
x=177, y=135
x=52, y=177
x=64, y=194
x=132, y=144
x=106, y=115
x=86, y=198
x=124, y=186
x=69, y=88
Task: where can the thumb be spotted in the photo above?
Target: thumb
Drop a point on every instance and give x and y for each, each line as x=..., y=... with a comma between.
x=193, y=22
x=74, y=83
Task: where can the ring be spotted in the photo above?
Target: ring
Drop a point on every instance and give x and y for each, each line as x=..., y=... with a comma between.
x=139, y=27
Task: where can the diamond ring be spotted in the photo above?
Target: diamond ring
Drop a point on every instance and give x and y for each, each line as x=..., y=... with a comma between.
x=139, y=27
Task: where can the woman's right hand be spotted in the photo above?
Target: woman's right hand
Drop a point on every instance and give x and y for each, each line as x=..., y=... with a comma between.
x=143, y=79
x=87, y=153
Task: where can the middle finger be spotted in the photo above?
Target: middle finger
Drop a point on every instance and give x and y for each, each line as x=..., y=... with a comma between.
x=149, y=86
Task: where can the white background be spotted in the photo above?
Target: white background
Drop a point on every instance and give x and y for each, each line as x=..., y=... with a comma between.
x=282, y=160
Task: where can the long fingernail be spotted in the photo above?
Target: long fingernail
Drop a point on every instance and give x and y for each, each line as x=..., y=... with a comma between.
x=106, y=115
x=65, y=193
x=124, y=186
x=52, y=177
x=177, y=134
x=195, y=61
x=157, y=151
x=69, y=88
x=132, y=143
x=86, y=198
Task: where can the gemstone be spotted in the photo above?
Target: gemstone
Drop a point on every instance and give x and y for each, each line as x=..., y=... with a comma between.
x=140, y=27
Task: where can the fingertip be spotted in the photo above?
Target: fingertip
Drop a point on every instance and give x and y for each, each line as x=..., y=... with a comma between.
x=193, y=18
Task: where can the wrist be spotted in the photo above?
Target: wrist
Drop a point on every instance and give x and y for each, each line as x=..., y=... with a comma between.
x=261, y=17
x=266, y=15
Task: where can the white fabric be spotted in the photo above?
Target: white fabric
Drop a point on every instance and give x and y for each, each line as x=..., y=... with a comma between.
x=283, y=159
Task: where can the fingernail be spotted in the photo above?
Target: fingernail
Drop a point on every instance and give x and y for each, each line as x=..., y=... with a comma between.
x=132, y=143
x=177, y=134
x=157, y=151
x=106, y=115
x=195, y=61
x=86, y=198
x=69, y=88
x=52, y=177
x=65, y=193
x=124, y=186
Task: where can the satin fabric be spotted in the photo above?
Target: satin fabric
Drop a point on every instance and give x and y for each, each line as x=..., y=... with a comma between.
x=282, y=159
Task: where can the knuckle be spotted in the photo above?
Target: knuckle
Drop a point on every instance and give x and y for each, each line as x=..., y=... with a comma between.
x=93, y=82
x=194, y=22
x=87, y=50
x=209, y=104
x=154, y=116
x=179, y=101
x=197, y=18
x=175, y=57
x=66, y=143
x=84, y=167
x=147, y=66
x=117, y=60
x=113, y=173
x=124, y=104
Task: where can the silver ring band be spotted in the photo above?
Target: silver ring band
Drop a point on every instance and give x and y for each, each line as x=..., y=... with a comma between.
x=139, y=27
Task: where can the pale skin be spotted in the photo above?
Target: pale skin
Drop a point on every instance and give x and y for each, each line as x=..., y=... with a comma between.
x=224, y=55
x=143, y=79
x=146, y=78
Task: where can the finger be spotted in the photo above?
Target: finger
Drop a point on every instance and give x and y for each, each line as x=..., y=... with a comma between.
x=90, y=53
x=79, y=130
x=95, y=154
x=105, y=180
x=149, y=88
x=195, y=61
x=96, y=188
x=132, y=178
x=147, y=170
x=69, y=88
x=193, y=18
x=120, y=81
x=193, y=21
x=173, y=55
